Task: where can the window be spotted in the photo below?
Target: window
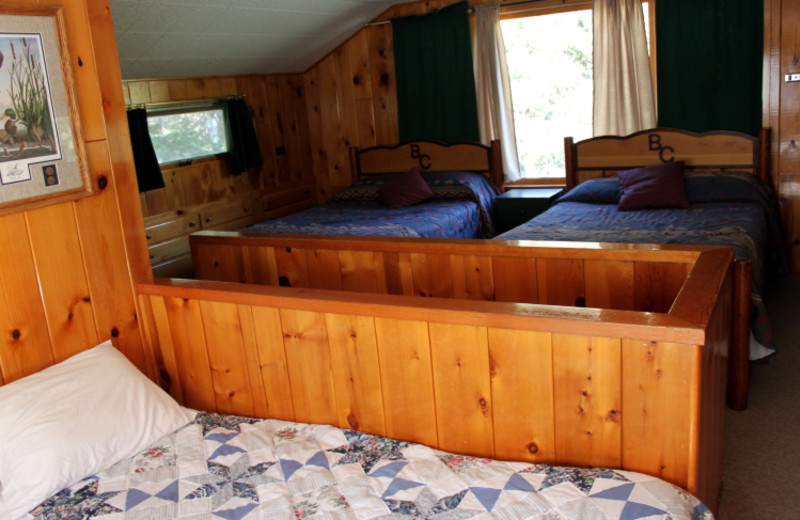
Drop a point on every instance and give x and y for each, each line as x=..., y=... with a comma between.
x=182, y=134
x=549, y=58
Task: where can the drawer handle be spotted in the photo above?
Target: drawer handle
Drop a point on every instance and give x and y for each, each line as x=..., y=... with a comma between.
x=152, y=256
x=208, y=219
x=191, y=224
x=148, y=237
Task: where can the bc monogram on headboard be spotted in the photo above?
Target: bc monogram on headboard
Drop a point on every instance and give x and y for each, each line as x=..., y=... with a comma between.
x=655, y=144
x=424, y=159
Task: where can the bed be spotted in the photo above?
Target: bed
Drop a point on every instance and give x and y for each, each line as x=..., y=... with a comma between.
x=125, y=449
x=415, y=189
x=724, y=197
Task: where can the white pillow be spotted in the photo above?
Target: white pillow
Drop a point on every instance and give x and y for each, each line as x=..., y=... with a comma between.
x=73, y=419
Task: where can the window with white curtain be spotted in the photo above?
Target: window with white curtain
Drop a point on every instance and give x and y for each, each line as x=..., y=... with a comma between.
x=549, y=54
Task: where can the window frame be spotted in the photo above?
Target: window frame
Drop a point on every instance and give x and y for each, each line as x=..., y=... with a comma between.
x=525, y=9
x=187, y=108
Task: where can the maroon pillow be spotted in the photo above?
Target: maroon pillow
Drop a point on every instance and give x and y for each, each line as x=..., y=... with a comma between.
x=653, y=187
x=405, y=190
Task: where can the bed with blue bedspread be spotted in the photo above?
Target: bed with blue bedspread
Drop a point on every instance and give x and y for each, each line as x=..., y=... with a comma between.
x=725, y=207
x=460, y=183
x=460, y=207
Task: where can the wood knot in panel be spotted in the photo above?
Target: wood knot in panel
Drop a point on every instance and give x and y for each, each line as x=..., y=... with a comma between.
x=484, y=404
x=80, y=61
x=102, y=182
x=115, y=332
x=352, y=420
x=613, y=416
x=533, y=448
x=16, y=334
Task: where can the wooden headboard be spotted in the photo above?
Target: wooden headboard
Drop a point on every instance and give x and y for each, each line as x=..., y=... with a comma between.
x=429, y=156
x=719, y=150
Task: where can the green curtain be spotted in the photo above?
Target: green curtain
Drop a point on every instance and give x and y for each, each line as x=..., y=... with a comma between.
x=148, y=172
x=242, y=140
x=435, y=79
x=709, y=64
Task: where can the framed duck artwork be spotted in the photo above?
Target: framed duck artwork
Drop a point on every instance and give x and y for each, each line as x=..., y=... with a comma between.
x=42, y=160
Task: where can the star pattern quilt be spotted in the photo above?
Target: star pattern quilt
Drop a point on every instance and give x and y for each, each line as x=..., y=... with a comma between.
x=233, y=468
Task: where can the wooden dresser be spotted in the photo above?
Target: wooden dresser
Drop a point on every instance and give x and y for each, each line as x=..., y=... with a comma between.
x=168, y=233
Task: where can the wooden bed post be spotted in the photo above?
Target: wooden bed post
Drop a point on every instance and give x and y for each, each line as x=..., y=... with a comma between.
x=739, y=369
x=353, y=163
x=764, y=155
x=496, y=164
x=569, y=163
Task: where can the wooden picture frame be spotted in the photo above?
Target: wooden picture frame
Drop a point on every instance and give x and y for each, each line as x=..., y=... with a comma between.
x=42, y=157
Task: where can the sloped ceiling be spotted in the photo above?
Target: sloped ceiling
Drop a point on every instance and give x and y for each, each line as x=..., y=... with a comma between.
x=185, y=38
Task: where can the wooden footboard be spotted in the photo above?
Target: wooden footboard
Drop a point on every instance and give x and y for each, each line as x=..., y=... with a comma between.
x=638, y=390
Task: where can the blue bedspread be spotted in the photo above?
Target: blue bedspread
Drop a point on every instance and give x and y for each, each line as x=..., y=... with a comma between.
x=461, y=207
x=730, y=209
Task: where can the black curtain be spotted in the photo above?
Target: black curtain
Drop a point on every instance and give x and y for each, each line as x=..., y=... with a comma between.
x=709, y=64
x=148, y=173
x=435, y=79
x=242, y=141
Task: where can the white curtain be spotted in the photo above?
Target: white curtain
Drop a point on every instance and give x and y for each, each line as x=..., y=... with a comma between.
x=623, y=87
x=493, y=87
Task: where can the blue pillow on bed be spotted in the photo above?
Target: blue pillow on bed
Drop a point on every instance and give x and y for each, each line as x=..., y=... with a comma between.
x=603, y=190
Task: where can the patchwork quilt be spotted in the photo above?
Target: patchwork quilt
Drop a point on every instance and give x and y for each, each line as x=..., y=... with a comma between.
x=232, y=468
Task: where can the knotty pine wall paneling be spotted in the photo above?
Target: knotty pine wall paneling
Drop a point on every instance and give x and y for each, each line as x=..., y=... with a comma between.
x=351, y=101
x=351, y=97
x=277, y=103
x=68, y=270
x=782, y=112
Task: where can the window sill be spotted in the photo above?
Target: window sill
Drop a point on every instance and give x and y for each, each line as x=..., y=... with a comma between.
x=549, y=182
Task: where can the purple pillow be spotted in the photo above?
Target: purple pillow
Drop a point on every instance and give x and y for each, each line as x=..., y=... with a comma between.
x=653, y=187
x=405, y=190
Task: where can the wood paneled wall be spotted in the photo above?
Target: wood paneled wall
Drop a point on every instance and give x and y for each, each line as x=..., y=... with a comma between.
x=279, y=114
x=782, y=111
x=351, y=97
x=67, y=271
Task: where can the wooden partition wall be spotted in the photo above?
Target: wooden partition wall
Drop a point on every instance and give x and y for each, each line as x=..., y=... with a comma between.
x=638, y=277
x=547, y=383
